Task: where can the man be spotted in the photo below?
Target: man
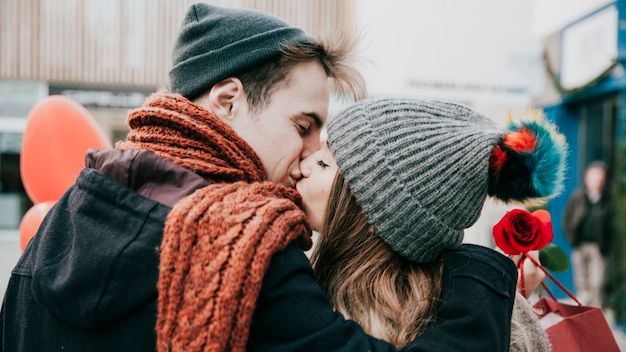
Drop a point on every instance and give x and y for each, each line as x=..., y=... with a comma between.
x=586, y=223
x=175, y=240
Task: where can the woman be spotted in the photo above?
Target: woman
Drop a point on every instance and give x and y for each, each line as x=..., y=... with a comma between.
x=391, y=193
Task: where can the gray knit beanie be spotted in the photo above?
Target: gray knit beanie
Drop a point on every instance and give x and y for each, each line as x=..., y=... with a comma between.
x=420, y=170
x=215, y=43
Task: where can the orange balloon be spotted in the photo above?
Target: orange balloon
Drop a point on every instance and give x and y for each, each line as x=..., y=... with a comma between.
x=58, y=133
x=31, y=221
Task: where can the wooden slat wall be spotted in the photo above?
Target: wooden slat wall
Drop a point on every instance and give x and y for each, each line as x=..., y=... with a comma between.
x=121, y=42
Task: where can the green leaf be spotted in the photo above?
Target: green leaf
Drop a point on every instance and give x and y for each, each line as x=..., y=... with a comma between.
x=553, y=258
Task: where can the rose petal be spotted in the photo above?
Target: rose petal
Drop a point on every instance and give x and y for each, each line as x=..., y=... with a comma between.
x=503, y=237
x=546, y=228
x=542, y=215
x=546, y=234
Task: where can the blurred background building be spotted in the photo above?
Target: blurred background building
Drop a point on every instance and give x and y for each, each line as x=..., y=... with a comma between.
x=498, y=57
x=106, y=55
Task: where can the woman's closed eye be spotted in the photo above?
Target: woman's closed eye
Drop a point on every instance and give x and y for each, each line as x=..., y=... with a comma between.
x=322, y=164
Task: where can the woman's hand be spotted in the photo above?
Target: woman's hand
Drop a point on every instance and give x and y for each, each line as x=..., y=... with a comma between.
x=530, y=276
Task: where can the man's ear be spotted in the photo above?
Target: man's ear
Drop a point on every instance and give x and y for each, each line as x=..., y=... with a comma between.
x=226, y=97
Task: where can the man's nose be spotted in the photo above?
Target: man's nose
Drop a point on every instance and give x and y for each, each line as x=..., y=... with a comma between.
x=311, y=144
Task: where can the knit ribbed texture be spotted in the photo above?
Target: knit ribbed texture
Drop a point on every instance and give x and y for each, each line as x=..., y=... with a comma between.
x=217, y=245
x=527, y=334
x=217, y=242
x=418, y=169
x=190, y=136
x=215, y=43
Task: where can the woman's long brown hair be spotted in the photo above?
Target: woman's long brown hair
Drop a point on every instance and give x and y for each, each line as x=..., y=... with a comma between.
x=391, y=297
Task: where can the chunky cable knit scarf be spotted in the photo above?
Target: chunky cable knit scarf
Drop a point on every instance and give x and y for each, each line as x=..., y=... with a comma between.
x=217, y=242
x=190, y=136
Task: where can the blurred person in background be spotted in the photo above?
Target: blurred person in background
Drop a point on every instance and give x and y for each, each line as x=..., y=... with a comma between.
x=587, y=225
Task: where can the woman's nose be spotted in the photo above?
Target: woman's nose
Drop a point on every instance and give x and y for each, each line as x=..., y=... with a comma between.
x=305, y=170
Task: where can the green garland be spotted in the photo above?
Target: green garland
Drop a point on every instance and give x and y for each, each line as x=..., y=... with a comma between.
x=564, y=91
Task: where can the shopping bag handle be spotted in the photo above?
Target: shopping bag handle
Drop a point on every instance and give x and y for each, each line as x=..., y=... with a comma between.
x=553, y=279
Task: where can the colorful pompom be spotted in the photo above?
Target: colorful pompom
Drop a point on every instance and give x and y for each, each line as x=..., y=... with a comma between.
x=529, y=161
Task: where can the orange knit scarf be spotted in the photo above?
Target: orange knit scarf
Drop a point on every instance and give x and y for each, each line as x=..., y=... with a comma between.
x=217, y=242
x=190, y=136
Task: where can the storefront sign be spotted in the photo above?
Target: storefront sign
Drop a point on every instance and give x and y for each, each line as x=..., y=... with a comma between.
x=588, y=48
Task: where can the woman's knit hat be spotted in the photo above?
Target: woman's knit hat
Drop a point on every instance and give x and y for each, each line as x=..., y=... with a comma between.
x=215, y=43
x=421, y=170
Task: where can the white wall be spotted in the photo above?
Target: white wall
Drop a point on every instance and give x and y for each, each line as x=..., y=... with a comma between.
x=549, y=16
x=480, y=52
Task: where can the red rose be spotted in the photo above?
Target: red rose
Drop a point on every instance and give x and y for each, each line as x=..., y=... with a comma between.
x=519, y=231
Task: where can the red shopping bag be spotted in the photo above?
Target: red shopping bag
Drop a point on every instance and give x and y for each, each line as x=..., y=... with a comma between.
x=573, y=328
